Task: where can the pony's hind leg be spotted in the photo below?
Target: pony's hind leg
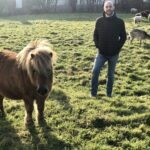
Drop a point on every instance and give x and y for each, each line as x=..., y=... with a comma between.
x=2, y=113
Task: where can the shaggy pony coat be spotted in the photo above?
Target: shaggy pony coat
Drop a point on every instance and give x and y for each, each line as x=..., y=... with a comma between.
x=27, y=75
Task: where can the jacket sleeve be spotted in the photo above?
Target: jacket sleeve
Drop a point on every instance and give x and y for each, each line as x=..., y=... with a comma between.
x=95, y=35
x=122, y=35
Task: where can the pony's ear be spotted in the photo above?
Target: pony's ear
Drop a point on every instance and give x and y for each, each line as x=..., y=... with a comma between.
x=51, y=54
x=32, y=56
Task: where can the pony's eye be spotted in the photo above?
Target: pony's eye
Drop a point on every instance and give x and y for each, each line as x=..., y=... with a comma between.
x=34, y=71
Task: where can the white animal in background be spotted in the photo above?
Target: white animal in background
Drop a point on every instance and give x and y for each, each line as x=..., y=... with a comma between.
x=137, y=19
x=149, y=17
x=138, y=14
x=133, y=10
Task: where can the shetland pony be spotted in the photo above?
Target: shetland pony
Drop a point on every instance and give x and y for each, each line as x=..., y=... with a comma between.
x=27, y=75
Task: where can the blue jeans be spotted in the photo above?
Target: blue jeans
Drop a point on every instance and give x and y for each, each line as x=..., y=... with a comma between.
x=99, y=63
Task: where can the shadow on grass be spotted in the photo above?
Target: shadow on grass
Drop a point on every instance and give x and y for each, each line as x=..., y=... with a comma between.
x=26, y=22
x=9, y=138
x=47, y=140
x=146, y=45
x=40, y=138
x=61, y=97
x=102, y=122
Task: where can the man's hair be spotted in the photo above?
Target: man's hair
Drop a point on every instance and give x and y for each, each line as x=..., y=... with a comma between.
x=108, y=1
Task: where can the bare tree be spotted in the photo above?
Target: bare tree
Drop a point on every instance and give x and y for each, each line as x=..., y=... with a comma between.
x=98, y=5
x=47, y=5
x=90, y=5
x=73, y=4
x=94, y=5
x=126, y=5
x=52, y=3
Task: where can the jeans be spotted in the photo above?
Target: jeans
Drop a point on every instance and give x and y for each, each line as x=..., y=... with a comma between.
x=99, y=63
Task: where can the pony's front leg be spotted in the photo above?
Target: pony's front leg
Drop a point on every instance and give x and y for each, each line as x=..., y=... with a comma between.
x=40, y=108
x=29, y=109
x=2, y=113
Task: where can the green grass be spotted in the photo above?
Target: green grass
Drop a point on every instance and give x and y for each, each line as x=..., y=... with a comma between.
x=74, y=120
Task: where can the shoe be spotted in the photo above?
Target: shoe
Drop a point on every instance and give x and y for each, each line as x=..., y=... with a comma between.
x=93, y=96
x=109, y=96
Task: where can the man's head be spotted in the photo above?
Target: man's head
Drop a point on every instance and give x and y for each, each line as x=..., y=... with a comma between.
x=109, y=8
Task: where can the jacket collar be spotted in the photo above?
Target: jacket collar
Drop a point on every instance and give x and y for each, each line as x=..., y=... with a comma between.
x=111, y=17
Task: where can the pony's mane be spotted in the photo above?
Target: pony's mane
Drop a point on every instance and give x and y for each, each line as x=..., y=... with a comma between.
x=34, y=46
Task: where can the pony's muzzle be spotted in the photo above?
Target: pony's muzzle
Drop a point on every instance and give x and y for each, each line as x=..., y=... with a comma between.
x=42, y=91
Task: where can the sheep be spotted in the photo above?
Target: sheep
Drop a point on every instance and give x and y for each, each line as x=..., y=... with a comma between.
x=137, y=19
x=139, y=35
x=144, y=13
x=133, y=10
x=149, y=17
x=138, y=14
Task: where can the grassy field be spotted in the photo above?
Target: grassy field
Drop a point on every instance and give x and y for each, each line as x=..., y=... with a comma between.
x=74, y=120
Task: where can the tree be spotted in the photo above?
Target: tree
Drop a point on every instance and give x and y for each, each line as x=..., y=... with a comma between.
x=73, y=4
x=43, y=5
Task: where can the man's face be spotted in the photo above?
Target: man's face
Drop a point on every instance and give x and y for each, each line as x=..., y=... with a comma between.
x=108, y=8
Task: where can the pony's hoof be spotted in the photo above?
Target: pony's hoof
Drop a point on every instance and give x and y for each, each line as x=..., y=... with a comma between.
x=28, y=123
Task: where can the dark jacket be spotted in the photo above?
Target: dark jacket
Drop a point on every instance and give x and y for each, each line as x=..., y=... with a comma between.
x=109, y=35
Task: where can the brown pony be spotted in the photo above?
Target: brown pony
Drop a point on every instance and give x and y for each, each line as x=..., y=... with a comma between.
x=27, y=75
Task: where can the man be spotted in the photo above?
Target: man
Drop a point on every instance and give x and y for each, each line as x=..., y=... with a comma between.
x=109, y=37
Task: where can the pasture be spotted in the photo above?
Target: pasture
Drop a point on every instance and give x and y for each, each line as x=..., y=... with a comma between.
x=74, y=120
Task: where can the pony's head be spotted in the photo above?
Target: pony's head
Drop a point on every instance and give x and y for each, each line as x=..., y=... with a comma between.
x=37, y=60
